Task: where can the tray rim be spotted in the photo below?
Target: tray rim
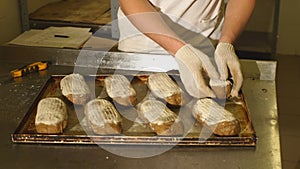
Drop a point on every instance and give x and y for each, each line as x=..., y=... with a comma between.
x=133, y=140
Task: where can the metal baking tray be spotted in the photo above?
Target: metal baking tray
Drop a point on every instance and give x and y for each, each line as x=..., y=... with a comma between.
x=134, y=132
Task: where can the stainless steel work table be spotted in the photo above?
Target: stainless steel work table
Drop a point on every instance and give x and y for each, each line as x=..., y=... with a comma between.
x=17, y=96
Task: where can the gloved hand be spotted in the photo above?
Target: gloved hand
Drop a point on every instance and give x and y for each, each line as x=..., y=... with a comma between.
x=226, y=58
x=191, y=62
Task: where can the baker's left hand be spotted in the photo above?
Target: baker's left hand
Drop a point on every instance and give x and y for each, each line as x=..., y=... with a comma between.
x=226, y=59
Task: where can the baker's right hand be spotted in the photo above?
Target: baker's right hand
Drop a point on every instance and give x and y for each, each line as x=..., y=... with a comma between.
x=191, y=62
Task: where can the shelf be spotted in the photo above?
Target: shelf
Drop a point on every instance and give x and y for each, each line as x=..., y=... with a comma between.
x=93, y=12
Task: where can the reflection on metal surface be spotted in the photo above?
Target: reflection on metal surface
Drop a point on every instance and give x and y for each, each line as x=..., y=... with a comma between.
x=266, y=121
x=126, y=61
x=267, y=70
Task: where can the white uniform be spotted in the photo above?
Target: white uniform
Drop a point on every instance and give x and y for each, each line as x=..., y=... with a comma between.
x=199, y=16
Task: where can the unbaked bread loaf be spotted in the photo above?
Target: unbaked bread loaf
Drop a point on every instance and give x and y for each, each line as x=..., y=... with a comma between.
x=216, y=118
x=221, y=88
x=160, y=118
x=163, y=87
x=102, y=117
x=51, y=116
x=75, y=88
x=119, y=89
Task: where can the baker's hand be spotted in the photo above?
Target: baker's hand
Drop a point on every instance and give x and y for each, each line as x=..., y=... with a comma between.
x=226, y=58
x=191, y=62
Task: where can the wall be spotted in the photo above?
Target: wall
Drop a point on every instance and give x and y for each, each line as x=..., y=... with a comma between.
x=10, y=25
x=289, y=28
x=289, y=24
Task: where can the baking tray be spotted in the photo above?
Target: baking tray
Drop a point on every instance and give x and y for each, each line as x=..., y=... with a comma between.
x=134, y=132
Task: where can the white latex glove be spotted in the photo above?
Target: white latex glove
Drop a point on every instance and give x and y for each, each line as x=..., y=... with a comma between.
x=191, y=62
x=226, y=58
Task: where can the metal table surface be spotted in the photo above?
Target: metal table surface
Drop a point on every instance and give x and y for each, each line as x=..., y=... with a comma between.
x=18, y=94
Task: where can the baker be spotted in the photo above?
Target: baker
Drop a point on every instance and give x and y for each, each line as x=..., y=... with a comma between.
x=180, y=28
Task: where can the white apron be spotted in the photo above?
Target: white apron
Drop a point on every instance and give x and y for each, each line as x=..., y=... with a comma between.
x=201, y=17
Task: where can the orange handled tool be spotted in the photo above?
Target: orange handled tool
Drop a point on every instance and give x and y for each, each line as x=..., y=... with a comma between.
x=36, y=66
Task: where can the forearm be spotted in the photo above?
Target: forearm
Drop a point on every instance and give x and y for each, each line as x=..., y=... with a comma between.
x=147, y=20
x=237, y=15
